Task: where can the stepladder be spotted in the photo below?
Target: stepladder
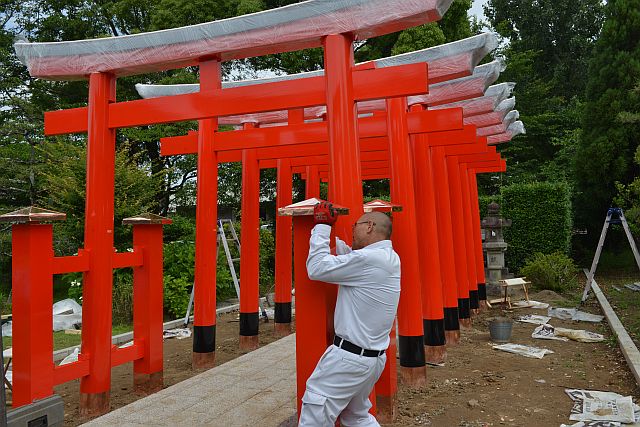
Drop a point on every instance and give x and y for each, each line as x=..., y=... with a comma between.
x=614, y=216
x=227, y=236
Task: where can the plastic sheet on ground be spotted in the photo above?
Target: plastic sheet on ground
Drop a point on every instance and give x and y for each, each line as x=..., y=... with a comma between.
x=67, y=306
x=633, y=287
x=573, y=314
x=7, y=329
x=179, y=333
x=579, y=335
x=530, y=304
x=293, y=27
x=67, y=314
x=536, y=319
x=72, y=357
x=524, y=350
x=592, y=424
x=592, y=405
x=546, y=332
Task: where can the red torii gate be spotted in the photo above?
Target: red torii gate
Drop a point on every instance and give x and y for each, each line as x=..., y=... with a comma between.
x=338, y=90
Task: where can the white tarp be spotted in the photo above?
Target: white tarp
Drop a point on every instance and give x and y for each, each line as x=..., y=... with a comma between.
x=573, y=314
x=67, y=314
x=524, y=350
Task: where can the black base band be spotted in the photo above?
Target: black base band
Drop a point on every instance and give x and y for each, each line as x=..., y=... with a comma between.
x=474, y=301
x=411, y=351
x=204, y=339
x=464, y=308
x=482, y=291
x=249, y=324
x=433, y=332
x=451, y=322
x=282, y=312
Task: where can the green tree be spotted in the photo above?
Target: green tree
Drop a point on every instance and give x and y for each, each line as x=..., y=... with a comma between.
x=547, y=45
x=606, y=151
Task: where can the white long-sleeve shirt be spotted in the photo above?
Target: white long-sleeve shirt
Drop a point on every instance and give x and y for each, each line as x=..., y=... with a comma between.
x=369, y=287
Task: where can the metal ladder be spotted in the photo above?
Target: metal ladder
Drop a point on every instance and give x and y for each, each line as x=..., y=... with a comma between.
x=222, y=237
x=614, y=216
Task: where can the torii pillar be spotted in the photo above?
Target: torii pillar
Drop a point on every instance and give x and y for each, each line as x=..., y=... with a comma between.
x=204, y=321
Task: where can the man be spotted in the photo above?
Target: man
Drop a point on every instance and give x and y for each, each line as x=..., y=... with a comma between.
x=369, y=288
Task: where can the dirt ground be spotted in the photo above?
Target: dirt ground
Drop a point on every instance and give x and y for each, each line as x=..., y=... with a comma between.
x=478, y=386
x=177, y=366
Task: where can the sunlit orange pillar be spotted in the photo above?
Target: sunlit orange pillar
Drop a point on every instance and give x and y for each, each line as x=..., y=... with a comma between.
x=457, y=222
x=249, y=251
x=148, y=305
x=284, y=248
x=477, y=240
x=445, y=241
x=32, y=298
x=428, y=251
x=204, y=323
x=470, y=244
x=312, y=316
x=98, y=241
x=405, y=243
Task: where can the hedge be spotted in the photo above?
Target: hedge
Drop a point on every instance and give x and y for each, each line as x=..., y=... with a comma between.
x=541, y=220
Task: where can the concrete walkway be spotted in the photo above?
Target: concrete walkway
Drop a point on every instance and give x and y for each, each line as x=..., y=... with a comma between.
x=257, y=389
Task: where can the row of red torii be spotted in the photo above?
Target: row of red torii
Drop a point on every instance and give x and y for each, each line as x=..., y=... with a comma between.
x=429, y=132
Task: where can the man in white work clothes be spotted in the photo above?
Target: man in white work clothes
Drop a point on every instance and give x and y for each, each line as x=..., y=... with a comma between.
x=369, y=289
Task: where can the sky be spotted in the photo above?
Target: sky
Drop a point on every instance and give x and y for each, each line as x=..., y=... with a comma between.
x=476, y=9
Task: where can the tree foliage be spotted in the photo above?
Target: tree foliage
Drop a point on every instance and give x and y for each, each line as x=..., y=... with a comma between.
x=606, y=151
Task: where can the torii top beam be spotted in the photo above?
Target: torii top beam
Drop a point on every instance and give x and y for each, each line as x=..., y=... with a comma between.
x=445, y=92
x=446, y=62
x=294, y=27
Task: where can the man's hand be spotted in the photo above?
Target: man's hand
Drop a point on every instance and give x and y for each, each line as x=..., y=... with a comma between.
x=325, y=213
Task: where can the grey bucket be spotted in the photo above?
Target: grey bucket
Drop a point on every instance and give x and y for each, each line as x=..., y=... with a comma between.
x=500, y=329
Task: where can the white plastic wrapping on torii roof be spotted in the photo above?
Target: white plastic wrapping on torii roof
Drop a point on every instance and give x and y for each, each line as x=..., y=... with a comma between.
x=515, y=129
x=447, y=92
x=494, y=117
x=446, y=62
x=499, y=128
x=493, y=97
x=441, y=93
x=293, y=27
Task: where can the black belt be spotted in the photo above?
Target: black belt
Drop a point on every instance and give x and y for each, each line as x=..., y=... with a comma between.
x=352, y=348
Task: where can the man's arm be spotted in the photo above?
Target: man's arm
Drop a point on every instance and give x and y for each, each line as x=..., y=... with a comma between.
x=323, y=266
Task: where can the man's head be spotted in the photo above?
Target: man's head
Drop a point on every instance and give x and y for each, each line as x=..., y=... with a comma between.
x=372, y=227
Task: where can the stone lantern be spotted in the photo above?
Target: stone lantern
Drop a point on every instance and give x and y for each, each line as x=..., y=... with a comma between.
x=495, y=247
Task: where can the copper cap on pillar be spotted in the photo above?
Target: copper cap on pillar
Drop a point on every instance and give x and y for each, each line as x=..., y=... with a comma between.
x=146, y=219
x=33, y=215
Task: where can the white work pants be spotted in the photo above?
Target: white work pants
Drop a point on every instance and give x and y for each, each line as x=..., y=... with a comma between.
x=340, y=386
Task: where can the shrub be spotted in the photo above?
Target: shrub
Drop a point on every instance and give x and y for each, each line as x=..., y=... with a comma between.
x=541, y=220
x=176, y=295
x=555, y=272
